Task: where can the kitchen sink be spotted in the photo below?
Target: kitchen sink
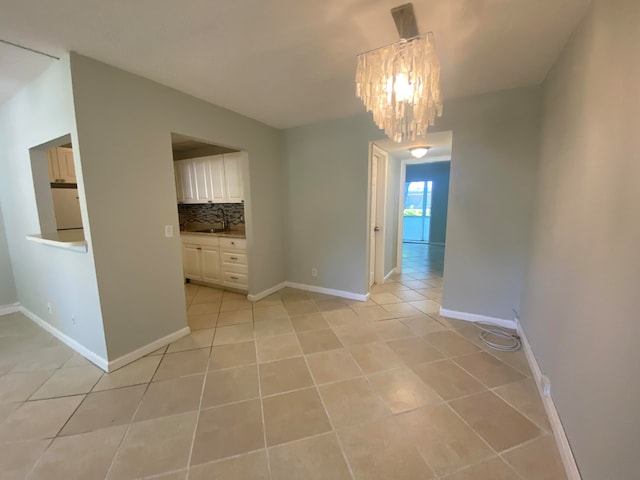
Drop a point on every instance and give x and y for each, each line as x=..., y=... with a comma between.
x=210, y=230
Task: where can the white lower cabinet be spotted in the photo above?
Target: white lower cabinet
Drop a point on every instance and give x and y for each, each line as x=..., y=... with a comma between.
x=215, y=260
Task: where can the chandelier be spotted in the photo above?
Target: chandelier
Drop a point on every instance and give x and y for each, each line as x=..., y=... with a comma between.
x=400, y=83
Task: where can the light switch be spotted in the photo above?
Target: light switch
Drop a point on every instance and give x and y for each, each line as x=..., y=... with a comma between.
x=168, y=231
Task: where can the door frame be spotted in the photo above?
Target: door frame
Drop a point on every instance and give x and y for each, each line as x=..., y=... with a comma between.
x=381, y=213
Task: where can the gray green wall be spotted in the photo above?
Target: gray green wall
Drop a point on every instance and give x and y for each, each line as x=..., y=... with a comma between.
x=493, y=164
x=39, y=113
x=391, y=227
x=438, y=173
x=124, y=126
x=580, y=304
x=7, y=287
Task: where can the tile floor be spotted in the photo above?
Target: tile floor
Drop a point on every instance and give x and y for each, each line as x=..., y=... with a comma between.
x=296, y=386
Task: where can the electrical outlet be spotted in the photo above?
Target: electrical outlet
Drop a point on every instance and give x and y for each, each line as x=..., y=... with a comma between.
x=49, y=307
x=545, y=383
x=168, y=231
x=314, y=272
x=73, y=320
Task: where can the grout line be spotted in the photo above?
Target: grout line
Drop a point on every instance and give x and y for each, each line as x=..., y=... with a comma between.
x=264, y=426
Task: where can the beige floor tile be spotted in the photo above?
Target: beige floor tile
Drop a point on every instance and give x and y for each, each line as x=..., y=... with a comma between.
x=301, y=308
x=69, y=381
x=318, y=341
x=170, y=397
x=7, y=409
x=181, y=364
x=537, y=460
x=270, y=328
x=375, y=357
x=140, y=371
x=105, y=409
x=232, y=355
x=448, y=379
x=294, y=415
x=317, y=458
x=426, y=306
x=160, y=351
x=385, y=298
x=228, y=430
x=451, y=343
x=193, y=341
x=445, y=441
x=235, y=317
x=238, y=303
x=47, y=358
x=351, y=402
x=273, y=312
x=499, y=424
x=233, y=334
x=409, y=295
x=414, y=350
x=402, y=390
x=154, y=446
x=176, y=475
x=401, y=310
x=422, y=324
x=330, y=305
x=357, y=334
x=489, y=370
x=517, y=360
x=338, y=318
x=207, y=295
x=372, y=313
x=249, y=466
x=380, y=450
x=17, y=458
x=202, y=322
x=17, y=387
x=332, y=366
x=230, y=385
x=204, y=308
x=277, y=348
x=391, y=329
x=77, y=360
x=308, y=322
x=87, y=455
x=38, y=419
x=493, y=469
x=284, y=375
x=524, y=396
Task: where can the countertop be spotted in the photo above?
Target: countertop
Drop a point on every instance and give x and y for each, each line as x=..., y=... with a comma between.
x=67, y=239
x=234, y=232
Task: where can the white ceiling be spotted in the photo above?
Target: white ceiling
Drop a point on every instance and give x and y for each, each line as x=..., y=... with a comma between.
x=284, y=62
x=439, y=143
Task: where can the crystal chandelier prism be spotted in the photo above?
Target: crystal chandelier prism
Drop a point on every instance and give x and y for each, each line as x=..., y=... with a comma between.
x=400, y=85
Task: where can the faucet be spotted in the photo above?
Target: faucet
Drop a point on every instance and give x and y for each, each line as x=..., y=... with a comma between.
x=224, y=218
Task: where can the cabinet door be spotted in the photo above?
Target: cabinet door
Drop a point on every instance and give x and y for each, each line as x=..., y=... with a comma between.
x=216, y=176
x=192, y=261
x=54, y=170
x=177, y=171
x=202, y=180
x=66, y=165
x=188, y=180
x=233, y=177
x=210, y=264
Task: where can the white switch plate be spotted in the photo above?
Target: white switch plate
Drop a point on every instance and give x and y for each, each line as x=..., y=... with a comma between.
x=168, y=231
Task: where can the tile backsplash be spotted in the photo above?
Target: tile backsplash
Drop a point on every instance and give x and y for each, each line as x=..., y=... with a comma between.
x=210, y=213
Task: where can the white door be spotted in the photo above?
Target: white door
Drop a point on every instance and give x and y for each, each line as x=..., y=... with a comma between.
x=216, y=179
x=66, y=166
x=192, y=261
x=210, y=264
x=233, y=177
x=188, y=180
x=177, y=170
x=54, y=170
x=372, y=219
x=202, y=180
x=66, y=206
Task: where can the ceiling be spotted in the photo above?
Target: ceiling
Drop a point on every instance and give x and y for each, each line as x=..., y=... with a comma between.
x=284, y=62
x=186, y=147
x=439, y=143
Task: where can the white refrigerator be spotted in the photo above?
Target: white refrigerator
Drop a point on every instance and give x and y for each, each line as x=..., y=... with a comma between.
x=66, y=205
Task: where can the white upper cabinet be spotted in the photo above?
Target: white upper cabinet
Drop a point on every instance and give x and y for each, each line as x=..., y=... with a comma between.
x=61, y=167
x=233, y=177
x=213, y=179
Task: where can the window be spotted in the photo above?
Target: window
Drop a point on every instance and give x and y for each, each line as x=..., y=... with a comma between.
x=417, y=201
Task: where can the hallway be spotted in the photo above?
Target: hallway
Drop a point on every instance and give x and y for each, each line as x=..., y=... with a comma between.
x=299, y=385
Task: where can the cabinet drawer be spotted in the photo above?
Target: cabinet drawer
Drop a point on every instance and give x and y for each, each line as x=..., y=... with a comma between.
x=200, y=240
x=234, y=243
x=234, y=268
x=235, y=279
x=234, y=258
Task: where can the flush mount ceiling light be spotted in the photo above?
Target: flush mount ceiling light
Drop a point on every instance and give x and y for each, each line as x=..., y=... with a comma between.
x=419, y=152
x=400, y=83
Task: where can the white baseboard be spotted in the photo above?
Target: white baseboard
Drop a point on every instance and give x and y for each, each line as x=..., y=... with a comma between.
x=569, y=462
x=388, y=275
x=329, y=291
x=472, y=317
x=11, y=308
x=146, y=349
x=266, y=293
x=67, y=340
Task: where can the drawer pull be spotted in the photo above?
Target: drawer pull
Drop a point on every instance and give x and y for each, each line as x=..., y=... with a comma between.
x=233, y=258
x=234, y=278
x=233, y=243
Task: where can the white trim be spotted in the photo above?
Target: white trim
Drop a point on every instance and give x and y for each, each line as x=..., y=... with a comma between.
x=329, y=291
x=472, y=317
x=67, y=340
x=11, y=308
x=569, y=462
x=146, y=349
x=388, y=275
x=266, y=293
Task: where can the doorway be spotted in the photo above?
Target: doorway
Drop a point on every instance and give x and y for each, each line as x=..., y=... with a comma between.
x=378, y=166
x=417, y=211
